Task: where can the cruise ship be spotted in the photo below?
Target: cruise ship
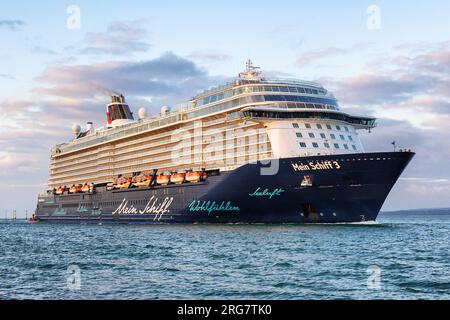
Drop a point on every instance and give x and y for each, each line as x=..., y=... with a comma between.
x=255, y=150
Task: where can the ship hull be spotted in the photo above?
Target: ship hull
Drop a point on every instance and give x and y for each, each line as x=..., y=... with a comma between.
x=321, y=189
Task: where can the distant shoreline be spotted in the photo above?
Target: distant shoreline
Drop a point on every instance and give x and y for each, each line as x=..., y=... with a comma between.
x=436, y=211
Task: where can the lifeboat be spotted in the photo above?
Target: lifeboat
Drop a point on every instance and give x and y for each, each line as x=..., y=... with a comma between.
x=110, y=186
x=177, y=178
x=73, y=189
x=123, y=183
x=59, y=191
x=87, y=188
x=163, y=179
x=193, y=176
x=143, y=181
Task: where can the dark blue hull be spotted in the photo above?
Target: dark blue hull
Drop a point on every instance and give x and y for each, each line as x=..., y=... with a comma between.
x=321, y=189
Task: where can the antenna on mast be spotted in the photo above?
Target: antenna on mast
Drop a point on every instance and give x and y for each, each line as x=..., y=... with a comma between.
x=251, y=72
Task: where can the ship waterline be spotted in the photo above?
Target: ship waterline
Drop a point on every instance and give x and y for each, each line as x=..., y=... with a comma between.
x=253, y=151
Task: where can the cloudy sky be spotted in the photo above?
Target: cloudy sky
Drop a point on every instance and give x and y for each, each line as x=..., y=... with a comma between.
x=58, y=61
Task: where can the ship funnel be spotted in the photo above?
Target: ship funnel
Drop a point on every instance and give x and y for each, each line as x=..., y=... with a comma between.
x=117, y=110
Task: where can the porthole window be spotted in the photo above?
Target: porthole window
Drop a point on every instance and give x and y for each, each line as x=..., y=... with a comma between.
x=315, y=145
x=299, y=135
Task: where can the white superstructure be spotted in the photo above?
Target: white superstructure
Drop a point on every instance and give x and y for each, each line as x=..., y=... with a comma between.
x=250, y=119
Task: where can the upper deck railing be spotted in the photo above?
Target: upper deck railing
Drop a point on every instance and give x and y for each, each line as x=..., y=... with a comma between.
x=239, y=82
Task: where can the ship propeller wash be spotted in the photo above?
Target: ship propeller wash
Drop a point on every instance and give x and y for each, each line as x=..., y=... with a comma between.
x=255, y=150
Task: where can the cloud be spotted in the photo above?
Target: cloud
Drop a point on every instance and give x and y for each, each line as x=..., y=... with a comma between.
x=6, y=76
x=166, y=79
x=39, y=49
x=204, y=56
x=310, y=57
x=417, y=82
x=379, y=88
x=122, y=37
x=13, y=25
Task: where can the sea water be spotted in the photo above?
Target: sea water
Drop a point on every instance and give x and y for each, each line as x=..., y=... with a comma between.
x=402, y=256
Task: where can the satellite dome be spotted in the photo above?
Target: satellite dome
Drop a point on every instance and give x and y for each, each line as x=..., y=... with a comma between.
x=76, y=129
x=165, y=110
x=142, y=113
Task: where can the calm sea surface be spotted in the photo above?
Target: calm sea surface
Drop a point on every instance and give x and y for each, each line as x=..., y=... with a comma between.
x=402, y=257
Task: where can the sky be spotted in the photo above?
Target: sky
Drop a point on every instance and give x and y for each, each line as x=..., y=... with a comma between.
x=58, y=61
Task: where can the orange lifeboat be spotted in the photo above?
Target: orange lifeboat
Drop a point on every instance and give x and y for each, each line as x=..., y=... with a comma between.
x=59, y=191
x=163, y=179
x=76, y=188
x=110, y=186
x=143, y=181
x=178, y=178
x=123, y=183
x=195, y=176
x=87, y=188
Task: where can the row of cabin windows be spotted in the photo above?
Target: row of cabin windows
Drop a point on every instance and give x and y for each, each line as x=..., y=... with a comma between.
x=323, y=136
x=238, y=91
x=328, y=146
x=320, y=127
